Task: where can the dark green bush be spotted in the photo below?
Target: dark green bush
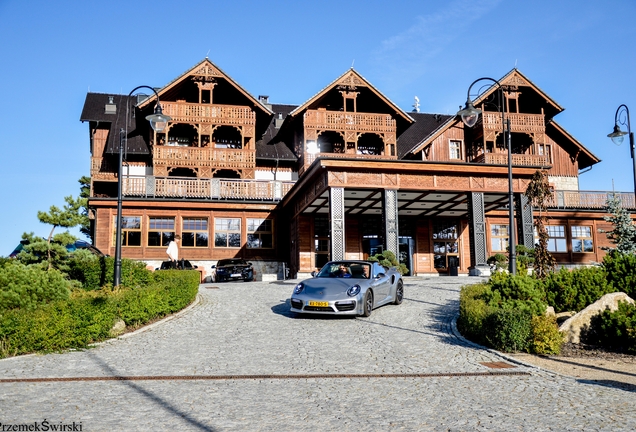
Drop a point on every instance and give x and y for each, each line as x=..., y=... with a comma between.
x=473, y=311
x=621, y=272
x=95, y=272
x=516, y=292
x=27, y=287
x=87, y=316
x=509, y=330
x=546, y=337
x=615, y=330
x=388, y=259
x=574, y=290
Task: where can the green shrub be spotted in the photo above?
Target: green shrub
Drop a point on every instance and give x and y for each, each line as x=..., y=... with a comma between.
x=388, y=259
x=473, y=311
x=95, y=272
x=621, y=272
x=516, y=292
x=27, y=287
x=509, y=330
x=87, y=316
x=546, y=337
x=615, y=330
x=500, y=261
x=574, y=290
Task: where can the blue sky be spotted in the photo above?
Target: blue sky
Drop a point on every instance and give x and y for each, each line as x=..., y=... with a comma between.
x=579, y=52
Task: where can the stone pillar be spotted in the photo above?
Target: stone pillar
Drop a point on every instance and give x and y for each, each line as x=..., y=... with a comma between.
x=477, y=231
x=390, y=213
x=336, y=216
x=525, y=223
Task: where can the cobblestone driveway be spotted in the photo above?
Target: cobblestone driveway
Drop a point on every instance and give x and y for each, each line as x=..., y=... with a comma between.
x=240, y=338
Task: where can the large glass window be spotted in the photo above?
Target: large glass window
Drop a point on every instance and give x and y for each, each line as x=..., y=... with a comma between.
x=194, y=232
x=130, y=231
x=259, y=233
x=557, y=241
x=582, y=239
x=227, y=232
x=160, y=231
x=445, y=244
x=499, y=238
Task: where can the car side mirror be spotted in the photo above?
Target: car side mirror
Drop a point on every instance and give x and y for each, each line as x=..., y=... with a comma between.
x=379, y=275
x=313, y=274
x=213, y=266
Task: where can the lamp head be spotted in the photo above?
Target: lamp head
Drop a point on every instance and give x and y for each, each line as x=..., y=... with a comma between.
x=617, y=135
x=158, y=120
x=469, y=114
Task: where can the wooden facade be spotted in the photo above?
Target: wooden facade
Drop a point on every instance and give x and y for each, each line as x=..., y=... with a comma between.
x=343, y=175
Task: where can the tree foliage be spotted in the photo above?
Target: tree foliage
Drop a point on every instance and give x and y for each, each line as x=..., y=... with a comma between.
x=85, y=193
x=540, y=194
x=624, y=233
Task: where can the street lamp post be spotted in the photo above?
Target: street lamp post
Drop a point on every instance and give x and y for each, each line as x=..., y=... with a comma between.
x=158, y=122
x=618, y=135
x=469, y=116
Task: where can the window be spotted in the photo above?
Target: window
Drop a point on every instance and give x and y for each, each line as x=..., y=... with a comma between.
x=130, y=231
x=160, y=231
x=259, y=233
x=556, y=242
x=194, y=232
x=499, y=238
x=544, y=150
x=582, y=239
x=227, y=232
x=445, y=245
x=455, y=149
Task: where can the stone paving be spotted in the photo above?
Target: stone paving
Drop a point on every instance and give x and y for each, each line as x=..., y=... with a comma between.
x=242, y=329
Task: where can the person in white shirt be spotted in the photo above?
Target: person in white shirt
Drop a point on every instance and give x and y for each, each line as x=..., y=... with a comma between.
x=173, y=251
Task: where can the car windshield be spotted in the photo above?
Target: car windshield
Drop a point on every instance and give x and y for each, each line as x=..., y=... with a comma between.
x=225, y=262
x=345, y=269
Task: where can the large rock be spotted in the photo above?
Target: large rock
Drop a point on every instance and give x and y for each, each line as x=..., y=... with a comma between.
x=573, y=326
x=118, y=328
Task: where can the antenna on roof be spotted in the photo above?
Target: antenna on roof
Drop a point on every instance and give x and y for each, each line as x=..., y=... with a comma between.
x=354, y=60
x=206, y=56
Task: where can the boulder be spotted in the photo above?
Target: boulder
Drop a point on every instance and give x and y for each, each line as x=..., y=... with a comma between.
x=561, y=317
x=550, y=311
x=118, y=328
x=572, y=327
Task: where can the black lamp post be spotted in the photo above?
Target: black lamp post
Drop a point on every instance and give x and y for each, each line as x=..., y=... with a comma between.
x=158, y=122
x=469, y=116
x=618, y=135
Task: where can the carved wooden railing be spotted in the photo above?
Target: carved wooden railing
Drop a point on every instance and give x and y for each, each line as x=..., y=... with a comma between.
x=204, y=113
x=215, y=188
x=338, y=120
x=311, y=157
x=193, y=157
x=566, y=199
x=105, y=170
x=517, y=159
x=529, y=123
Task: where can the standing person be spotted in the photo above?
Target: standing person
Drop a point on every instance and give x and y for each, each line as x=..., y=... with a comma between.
x=173, y=251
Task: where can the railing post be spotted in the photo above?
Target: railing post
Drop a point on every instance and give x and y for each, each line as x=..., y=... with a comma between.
x=215, y=188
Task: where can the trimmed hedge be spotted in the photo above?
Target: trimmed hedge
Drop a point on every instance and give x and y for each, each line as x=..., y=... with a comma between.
x=28, y=287
x=88, y=316
x=95, y=272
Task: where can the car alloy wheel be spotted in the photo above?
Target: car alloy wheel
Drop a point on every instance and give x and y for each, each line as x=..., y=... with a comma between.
x=399, y=293
x=368, y=304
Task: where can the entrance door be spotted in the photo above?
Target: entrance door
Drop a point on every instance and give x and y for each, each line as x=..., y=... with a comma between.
x=407, y=246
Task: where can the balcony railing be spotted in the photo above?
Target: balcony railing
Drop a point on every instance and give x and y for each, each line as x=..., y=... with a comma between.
x=204, y=113
x=338, y=120
x=215, y=188
x=105, y=170
x=311, y=157
x=590, y=200
x=529, y=123
x=517, y=159
x=193, y=157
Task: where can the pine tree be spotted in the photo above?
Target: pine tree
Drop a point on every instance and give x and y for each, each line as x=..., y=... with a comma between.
x=624, y=233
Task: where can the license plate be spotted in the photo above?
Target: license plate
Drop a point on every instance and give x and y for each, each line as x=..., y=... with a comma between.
x=236, y=275
x=319, y=303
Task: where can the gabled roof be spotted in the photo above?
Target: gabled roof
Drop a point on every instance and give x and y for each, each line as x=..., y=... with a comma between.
x=425, y=127
x=206, y=68
x=352, y=78
x=586, y=158
x=271, y=146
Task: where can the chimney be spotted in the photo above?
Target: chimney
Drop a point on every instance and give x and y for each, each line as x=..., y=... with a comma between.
x=110, y=107
x=265, y=101
x=278, y=121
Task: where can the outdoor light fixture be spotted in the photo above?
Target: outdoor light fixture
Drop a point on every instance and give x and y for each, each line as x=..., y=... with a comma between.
x=158, y=122
x=470, y=116
x=618, y=135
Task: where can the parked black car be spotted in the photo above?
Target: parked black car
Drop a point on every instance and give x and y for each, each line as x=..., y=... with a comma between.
x=232, y=269
x=179, y=265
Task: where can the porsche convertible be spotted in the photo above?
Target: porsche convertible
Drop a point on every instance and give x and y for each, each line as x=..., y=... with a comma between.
x=348, y=288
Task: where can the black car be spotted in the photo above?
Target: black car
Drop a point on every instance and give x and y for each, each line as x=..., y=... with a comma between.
x=179, y=265
x=232, y=269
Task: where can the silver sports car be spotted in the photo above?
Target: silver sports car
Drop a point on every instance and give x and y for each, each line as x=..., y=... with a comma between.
x=348, y=288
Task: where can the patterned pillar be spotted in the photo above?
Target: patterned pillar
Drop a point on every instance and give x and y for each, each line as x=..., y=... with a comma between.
x=525, y=222
x=150, y=186
x=390, y=212
x=336, y=215
x=477, y=231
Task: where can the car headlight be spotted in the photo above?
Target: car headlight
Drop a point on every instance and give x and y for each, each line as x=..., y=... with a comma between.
x=353, y=291
x=299, y=288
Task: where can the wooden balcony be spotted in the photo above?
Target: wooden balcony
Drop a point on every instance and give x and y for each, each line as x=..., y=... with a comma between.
x=359, y=122
x=517, y=159
x=311, y=157
x=528, y=123
x=185, y=112
x=589, y=200
x=214, y=189
x=194, y=157
x=103, y=169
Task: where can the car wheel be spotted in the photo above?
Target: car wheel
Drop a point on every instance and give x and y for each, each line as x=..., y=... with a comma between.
x=368, y=304
x=399, y=293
